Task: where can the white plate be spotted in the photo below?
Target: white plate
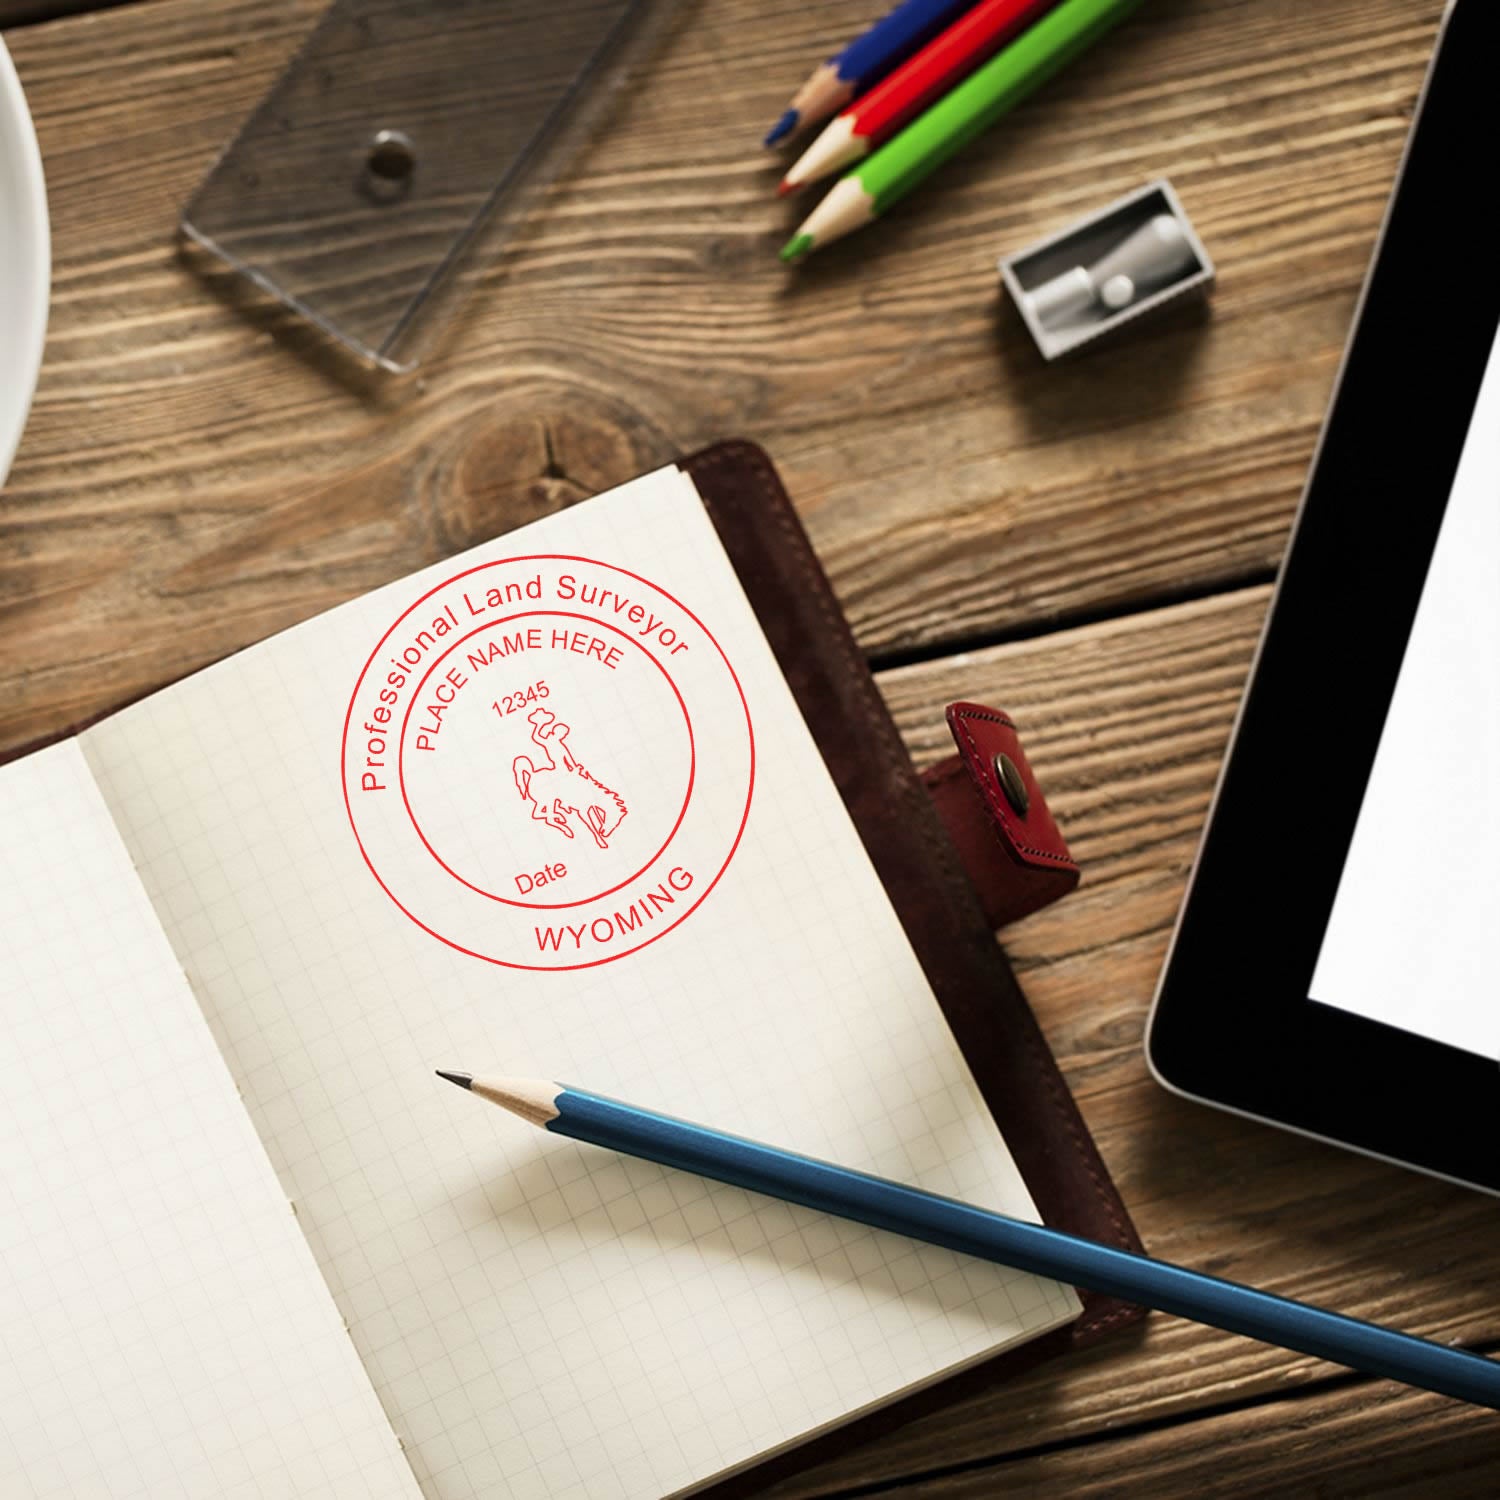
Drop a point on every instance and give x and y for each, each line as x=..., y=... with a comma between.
x=25, y=261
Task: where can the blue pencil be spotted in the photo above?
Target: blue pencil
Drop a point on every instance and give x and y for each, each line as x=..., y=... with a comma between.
x=866, y=60
x=820, y=1185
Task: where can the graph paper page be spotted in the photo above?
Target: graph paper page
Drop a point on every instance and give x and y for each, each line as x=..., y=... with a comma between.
x=164, y=1331
x=549, y=809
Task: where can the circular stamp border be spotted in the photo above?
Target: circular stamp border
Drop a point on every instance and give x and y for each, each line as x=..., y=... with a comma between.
x=592, y=562
x=556, y=614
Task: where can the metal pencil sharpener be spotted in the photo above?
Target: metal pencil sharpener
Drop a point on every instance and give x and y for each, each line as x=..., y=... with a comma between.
x=1104, y=271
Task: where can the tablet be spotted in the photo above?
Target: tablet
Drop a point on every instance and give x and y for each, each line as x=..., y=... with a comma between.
x=1336, y=964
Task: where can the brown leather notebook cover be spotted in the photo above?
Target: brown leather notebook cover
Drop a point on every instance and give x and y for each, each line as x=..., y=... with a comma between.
x=895, y=816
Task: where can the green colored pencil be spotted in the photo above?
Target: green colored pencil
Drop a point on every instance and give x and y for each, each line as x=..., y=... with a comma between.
x=896, y=168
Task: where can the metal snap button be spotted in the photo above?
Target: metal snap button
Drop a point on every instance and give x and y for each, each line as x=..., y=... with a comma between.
x=1012, y=783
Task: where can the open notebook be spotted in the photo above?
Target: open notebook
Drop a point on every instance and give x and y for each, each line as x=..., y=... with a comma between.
x=548, y=808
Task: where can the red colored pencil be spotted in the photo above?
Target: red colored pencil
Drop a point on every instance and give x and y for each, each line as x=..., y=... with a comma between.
x=904, y=94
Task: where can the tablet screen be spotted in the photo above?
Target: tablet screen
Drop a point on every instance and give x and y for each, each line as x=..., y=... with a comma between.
x=1336, y=965
x=1413, y=939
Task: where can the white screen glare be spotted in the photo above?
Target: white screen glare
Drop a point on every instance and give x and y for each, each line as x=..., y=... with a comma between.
x=1413, y=940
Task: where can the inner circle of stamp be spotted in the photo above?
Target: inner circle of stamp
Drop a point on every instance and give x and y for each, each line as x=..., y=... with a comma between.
x=593, y=624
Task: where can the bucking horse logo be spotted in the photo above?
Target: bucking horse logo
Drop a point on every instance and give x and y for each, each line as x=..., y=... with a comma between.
x=559, y=792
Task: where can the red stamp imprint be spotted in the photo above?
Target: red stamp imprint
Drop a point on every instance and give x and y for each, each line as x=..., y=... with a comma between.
x=548, y=762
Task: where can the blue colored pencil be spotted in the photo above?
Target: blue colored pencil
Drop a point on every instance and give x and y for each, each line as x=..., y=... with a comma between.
x=820, y=1185
x=866, y=60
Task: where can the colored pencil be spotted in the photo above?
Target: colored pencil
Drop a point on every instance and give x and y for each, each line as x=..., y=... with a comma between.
x=982, y=98
x=869, y=57
x=899, y=98
x=891, y=1206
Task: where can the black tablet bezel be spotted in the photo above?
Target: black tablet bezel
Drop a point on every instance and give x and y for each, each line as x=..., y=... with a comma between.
x=1233, y=1024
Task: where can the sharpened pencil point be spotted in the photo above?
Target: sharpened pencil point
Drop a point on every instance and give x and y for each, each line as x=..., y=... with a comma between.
x=782, y=128
x=796, y=248
x=463, y=1080
x=786, y=187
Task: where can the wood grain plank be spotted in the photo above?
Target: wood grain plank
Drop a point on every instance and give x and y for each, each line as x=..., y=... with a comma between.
x=1379, y=1443
x=27, y=12
x=1125, y=723
x=189, y=483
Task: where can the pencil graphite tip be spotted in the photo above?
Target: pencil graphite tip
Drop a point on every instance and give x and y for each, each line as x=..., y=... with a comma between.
x=848, y=205
x=796, y=248
x=782, y=128
x=786, y=187
x=463, y=1080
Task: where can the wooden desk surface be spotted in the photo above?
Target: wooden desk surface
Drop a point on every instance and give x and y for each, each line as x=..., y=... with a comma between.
x=1089, y=545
